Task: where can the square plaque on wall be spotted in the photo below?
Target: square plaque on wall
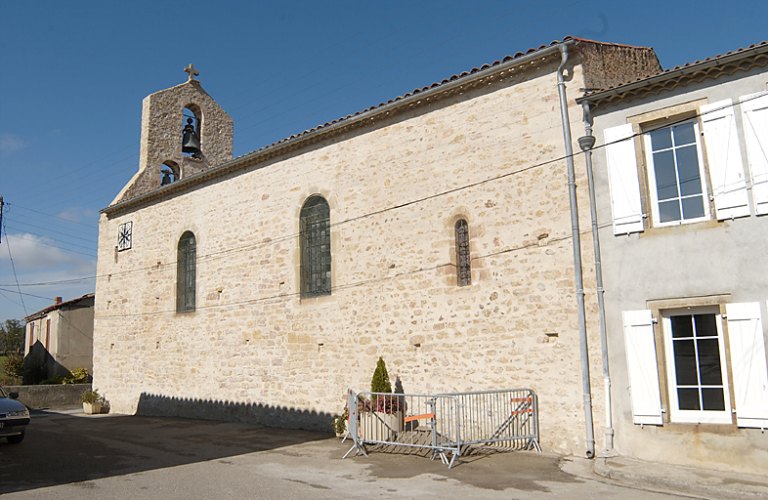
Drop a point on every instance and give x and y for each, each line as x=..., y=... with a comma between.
x=124, y=236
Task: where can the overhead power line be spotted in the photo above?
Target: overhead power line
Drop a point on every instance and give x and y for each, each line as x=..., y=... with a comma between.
x=271, y=241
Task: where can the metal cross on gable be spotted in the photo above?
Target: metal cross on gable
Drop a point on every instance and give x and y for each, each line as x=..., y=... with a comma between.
x=191, y=72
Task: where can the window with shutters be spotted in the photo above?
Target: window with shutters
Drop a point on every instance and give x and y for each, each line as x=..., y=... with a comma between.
x=693, y=168
x=676, y=174
x=698, y=378
x=186, y=264
x=315, y=241
x=463, y=262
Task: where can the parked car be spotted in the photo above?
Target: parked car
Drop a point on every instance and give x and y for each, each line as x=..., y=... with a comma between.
x=14, y=417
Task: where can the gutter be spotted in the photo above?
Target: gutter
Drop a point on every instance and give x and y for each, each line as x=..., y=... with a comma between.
x=299, y=140
x=586, y=143
x=579, y=282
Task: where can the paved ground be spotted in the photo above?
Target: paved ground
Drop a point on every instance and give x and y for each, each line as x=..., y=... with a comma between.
x=70, y=456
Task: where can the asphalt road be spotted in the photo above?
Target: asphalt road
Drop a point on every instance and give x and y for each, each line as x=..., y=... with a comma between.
x=128, y=457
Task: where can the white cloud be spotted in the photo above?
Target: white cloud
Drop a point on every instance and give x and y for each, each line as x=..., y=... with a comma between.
x=33, y=253
x=78, y=214
x=38, y=262
x=10, y=143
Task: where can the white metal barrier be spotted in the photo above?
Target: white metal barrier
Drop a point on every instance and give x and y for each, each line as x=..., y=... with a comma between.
x=445, y=424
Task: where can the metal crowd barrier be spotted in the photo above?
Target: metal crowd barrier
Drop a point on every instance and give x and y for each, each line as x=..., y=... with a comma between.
x=505, y=418
x=445, y=424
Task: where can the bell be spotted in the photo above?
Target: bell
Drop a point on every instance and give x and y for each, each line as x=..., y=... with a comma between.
x=166, y=178
x=190, y=143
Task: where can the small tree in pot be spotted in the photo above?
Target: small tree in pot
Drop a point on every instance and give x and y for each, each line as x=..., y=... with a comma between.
x=385, y=415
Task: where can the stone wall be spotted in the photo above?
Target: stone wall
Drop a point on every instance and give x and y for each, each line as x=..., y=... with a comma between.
x=161, y=126
x=56, y=397
x=254, y=341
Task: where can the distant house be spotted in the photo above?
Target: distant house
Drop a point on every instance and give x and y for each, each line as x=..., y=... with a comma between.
x=59, y=338
x=683, y=177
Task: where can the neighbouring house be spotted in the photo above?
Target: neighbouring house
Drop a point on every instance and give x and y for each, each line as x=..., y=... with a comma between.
x=59, y=338
x=682, y=180
x=433, y=230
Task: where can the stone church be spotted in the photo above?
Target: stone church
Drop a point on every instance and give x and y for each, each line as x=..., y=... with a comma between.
x=432, y=230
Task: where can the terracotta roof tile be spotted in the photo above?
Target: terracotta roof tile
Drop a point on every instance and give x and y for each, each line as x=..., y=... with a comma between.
x=416, y=91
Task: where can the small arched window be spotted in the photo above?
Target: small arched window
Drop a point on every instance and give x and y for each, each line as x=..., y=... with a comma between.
x=463, y=261
x=315, y=241
x=186, y=273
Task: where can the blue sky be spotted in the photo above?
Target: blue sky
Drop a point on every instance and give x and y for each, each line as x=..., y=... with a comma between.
x=73, y=74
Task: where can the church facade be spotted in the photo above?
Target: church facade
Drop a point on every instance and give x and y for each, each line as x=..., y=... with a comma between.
x=433, y=230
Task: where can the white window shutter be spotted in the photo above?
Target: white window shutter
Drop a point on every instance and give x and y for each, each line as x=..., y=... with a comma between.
x=622, y=177
x=748, y=364
x=754, y=110
x=726, y=170
x=642, y=367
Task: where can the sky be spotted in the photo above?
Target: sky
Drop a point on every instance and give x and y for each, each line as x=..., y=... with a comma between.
x=73, y=75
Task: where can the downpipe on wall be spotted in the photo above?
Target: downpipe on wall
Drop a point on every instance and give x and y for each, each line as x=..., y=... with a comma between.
x=586, y=143
x=586, y=389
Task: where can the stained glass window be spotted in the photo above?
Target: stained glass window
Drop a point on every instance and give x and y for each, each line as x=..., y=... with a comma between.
x=463, y=263
x=185, y=273
x=315, y=247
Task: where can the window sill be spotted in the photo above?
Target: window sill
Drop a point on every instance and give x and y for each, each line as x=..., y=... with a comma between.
x=709, y=428
x=698, y=225
x=315, y=299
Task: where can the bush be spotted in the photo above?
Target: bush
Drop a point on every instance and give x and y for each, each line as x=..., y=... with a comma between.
x=380, y=383
x=340, y=422
x=92, y=396
x=77, y=376
x=380, y=380
x=14, y=366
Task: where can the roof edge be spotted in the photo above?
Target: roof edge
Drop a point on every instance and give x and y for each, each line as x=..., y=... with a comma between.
x=46, y=310
x=348, y=122
x=676, y=72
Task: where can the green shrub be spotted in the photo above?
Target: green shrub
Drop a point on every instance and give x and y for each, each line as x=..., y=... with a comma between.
x=340, y=422
x=14, y=366
x=77, y=376
x=380, y=380
x=92, y=396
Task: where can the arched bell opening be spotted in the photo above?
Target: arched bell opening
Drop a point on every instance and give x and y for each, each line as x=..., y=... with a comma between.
x=169, y=173
x=192, y=126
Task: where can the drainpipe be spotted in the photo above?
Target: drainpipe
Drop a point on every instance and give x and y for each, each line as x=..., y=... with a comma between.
x=587, y=143
x=587, y=391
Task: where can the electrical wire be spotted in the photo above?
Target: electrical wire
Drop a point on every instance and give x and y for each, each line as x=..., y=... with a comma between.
x=271, y=241
x=13, y=266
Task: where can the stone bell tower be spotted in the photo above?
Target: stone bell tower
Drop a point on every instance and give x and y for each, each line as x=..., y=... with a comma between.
x=183, y=132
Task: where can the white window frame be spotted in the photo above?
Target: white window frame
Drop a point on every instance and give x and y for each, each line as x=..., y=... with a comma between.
x=652, y=179
x=695, y=416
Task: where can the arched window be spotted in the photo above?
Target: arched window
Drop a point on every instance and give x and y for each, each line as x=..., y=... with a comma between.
x=463, y=262
x=185, y=273
x=315, y=247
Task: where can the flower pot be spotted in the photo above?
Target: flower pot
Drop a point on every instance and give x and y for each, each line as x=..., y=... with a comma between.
x=92, y=408
x=380, y=426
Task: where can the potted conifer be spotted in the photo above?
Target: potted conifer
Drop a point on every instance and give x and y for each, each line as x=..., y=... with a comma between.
x=382, y=416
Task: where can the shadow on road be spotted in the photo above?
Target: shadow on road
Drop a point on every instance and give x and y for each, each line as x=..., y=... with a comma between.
x=155, y=405
x=62, y=448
